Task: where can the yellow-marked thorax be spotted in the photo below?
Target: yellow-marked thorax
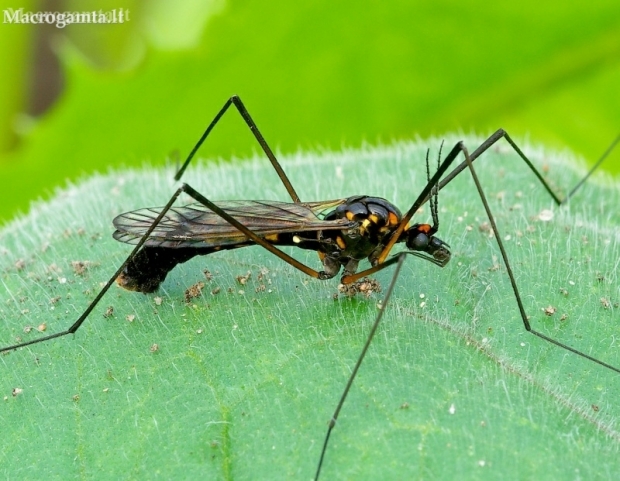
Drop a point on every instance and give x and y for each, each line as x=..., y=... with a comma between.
x=376, y=219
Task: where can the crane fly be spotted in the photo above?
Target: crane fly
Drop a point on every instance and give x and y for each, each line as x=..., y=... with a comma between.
x=342, y=231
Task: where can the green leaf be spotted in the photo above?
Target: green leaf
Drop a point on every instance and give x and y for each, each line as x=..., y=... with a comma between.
x=242, y=385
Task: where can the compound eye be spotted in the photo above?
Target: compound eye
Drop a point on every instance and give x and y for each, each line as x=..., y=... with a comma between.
x=419, y=242
x=436, y=243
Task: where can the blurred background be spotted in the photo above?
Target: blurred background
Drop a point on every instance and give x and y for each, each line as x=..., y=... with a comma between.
x=314, y=75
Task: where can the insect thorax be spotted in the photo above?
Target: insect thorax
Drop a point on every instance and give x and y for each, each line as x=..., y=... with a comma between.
x=375, y=219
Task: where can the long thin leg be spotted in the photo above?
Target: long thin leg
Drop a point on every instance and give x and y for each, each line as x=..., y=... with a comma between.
x=513, y=282
x=398, y=259
x=497, y=135
x=76, y=325
x=486, y=145
x=594, y=167
x=425, y=195
x=429, y=188
x=259, y=240
x=203, y=200
x=236, y=101
x=427, y=192
x=501, y=133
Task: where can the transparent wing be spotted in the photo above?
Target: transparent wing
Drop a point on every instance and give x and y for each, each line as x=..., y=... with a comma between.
x=194, y=225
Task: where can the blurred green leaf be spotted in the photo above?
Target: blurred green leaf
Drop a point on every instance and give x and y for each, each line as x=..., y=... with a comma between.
x=325, y=74
x=243, y=384
x=15, y=44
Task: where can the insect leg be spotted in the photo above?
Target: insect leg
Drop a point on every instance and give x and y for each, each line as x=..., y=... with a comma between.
x=425, y=195
x=399, y=259
x=428, y=191
x=77, y=324
x=200, y=198
x=513, y=282
x=434, y=185
x=236, y=101
x=501, y=133
x=254, y=237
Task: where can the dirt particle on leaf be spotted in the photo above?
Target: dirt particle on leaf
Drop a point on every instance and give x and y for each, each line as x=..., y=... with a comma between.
x=365, y=286
x=243, y=279
x=53, y=269
x=80, y=267
x=193, y=291
x=262, y=273
x=486, y=228
x=545, y=215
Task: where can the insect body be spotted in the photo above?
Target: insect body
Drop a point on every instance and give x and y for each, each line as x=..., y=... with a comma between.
x=343, y=232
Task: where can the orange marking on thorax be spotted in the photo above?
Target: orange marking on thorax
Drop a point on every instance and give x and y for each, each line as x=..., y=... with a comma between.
x=393, y=219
